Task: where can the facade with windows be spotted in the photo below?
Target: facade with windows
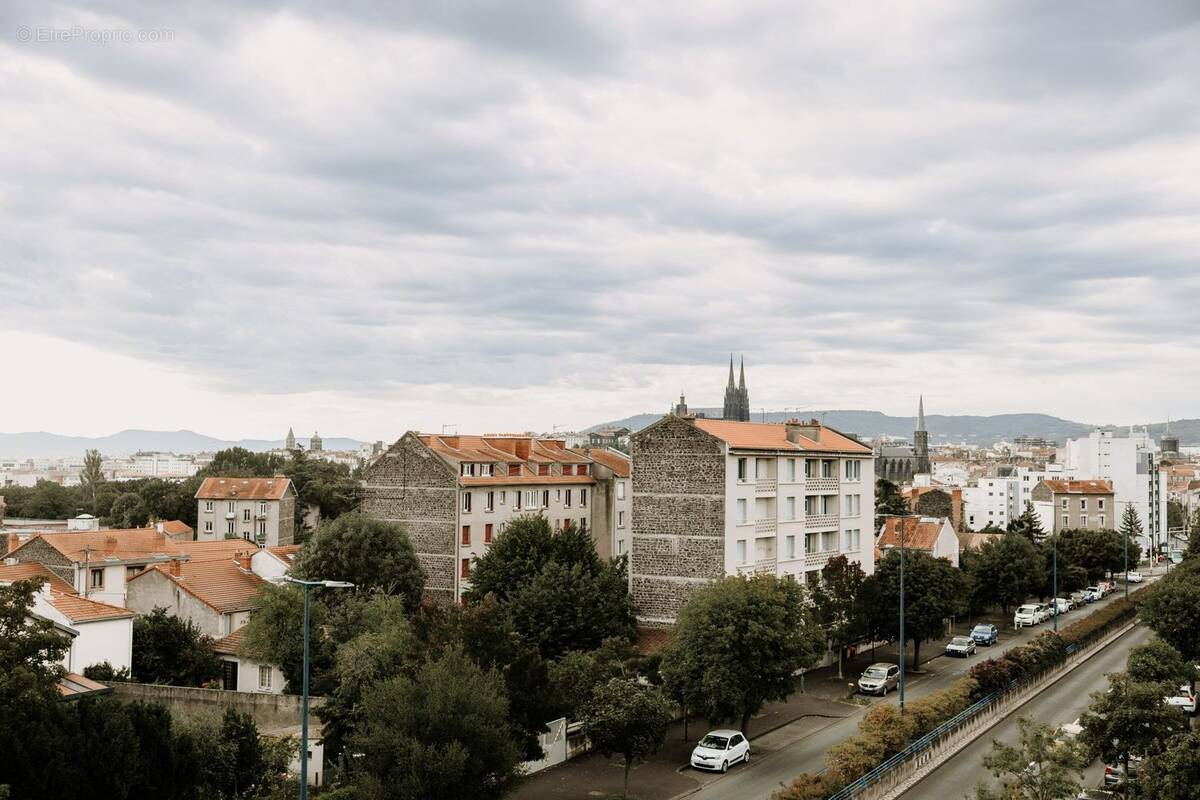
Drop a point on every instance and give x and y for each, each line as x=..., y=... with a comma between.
x=1065, y=505
x=258, y=510
x=456, y=494
x=713, y=498
x=242, y=674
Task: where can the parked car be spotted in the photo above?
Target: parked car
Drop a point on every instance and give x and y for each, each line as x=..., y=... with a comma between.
x=1092, y=593
x=1095, y=794
x=1044, y=612
x=1107, y=588
x=961, y=646
x=1114, y=774
x=1078, y=599
x=718, y=749
x=879, y=678
x=1185, y=698
x=985, y=633
x=1028, y=615
x=1133, y=577
x=1060, y=606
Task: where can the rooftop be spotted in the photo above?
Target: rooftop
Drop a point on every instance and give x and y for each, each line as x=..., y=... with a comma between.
x=81, y=610
x=221, y=584
x=244, y=488
x=1078, y=487
x=920, y=533
x=31, y=569
x=813, y=438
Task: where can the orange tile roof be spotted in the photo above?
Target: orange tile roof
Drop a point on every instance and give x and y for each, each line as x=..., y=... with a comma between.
x=175, y=527
x=73, y=685
x=1078, y=487
x=80, y=609
x=773, y=436
x=31, y=569
x=285, y=551
x=230, y=644
x=525, y=452
x=127, y=544
x=243, y=488
x=920, y=533
x=219, y=550
x=220, y=584
x=618, y=463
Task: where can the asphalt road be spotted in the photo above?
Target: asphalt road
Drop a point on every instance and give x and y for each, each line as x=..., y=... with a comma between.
x=763, y=776
x=1065, y=701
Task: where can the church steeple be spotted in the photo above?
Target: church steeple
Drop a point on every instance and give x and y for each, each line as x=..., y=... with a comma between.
x=290, y=442
x=731, y=384
x=921, y=412
x=921, y=464
x=737, y=399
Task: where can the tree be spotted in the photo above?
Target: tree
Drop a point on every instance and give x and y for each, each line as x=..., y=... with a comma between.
x=1173, y=774
x=30, y=647
x=738, y=643
x=1172, y=610
x=238, y=462
x=370, y=553
x=128, y=511
x=933, y=591
x=627, y=718
x=1028, y=524
x=1176, y=515
x=327, y=486
x=275, y=635
x=1131, y=529
x=1007, y=570
x=91, y=476
x=888, y=501
x=1130, y=719
x=1158, y=662
x=172, y=651
x=935, y=503
x=1040, y=767
x=1096, y=551
x=836, y=603
x=441, y=734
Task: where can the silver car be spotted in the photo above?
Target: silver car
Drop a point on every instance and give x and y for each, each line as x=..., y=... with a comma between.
x=961, y=646
x=879, y=678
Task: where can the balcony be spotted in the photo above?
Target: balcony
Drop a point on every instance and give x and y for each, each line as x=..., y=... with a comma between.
x=820, y=484
x=820, y=521
x=765, y=486
x=761, y=566
x=764, y=527
x=818, y=559
x=230, y=515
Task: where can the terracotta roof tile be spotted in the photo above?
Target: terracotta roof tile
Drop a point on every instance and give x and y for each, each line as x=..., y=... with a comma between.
x=920, y=533
x=31, y=569
x=617, y=462
x=243, y=488
x=230, y=644
x=73, y=685
x=175, y=527
x=773, y=436
x=80, y=609
x=1079, y=487
x=220, y=584
x=126, y=544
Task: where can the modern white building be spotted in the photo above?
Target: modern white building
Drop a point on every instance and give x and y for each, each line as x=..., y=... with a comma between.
x=714, y=497
x=994, y=500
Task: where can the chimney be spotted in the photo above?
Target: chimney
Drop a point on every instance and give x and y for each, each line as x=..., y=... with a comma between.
x=11, y=561
x=243, y=560
x=794, y=429
x=173, y=567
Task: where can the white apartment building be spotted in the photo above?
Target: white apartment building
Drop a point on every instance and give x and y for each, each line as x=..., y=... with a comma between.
x=1131, y=460
x=718, y=497
x=994, y=501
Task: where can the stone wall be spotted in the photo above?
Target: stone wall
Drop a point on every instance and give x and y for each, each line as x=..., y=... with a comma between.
x=411, y=485
x=270, y=711
x=36, y=551
x=678, y=519
x=287, y=519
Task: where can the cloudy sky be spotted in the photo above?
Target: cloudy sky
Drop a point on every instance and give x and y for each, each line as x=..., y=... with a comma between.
x=513, y=215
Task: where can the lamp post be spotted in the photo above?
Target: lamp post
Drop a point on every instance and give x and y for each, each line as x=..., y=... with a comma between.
x=903, y=641
x=1054, y=546
x=304, y=702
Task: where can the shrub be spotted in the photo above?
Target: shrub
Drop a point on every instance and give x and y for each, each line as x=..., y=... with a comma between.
x=853, y=757
x=806, y=787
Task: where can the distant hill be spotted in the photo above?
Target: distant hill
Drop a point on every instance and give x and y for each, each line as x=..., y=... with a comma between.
x=942, y=428
x=52, y=445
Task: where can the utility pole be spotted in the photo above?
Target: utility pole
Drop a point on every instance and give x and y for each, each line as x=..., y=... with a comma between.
x=1054, y=542
x=903, y=641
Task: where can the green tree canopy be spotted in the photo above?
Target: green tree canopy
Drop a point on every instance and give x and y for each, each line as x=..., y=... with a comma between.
x=442, y=734
x=627, y=718
x=1027, y=524
x=91, y=476
x=1130, y=719
x=1158, y=662
x=1007, y=570
x=935, y=503
x=1173, y=774
x=836, y=603
x=888, y=501
x=373, y=554
x=128, y=511
x=1097, y=551
x=738, y=643
x=933, y=590
x=1039, y=767
x=172, y=650
x=1172, y=610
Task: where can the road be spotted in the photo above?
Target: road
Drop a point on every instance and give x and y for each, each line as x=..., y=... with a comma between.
x=763, y=776
x=1065, y=701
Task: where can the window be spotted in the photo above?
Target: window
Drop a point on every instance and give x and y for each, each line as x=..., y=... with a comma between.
x=620, y=547
x=97, y=579
x=741, y=511
x=466, y=534
x=208, y=505
x=811, y=505
x=761, y=468
x=558, y=495
x=208, y=526
x=567, y=503
x=1100, y=504
x=487, y=533
x=491, y=502
x=791, y=469
x=620, y=490
x=531, y=499
x=546, y=498
x=1083, y=521
x=853, y=470
x=1102, y=520
x=466, y=568
x=262, y=527
x=582, y=469
x=790, y=546
x=245, y=515
x=789, y=507
x=811, y=543
x=741, y=551
x=466, y=502
x=264, y=677
x=519, y=496
x=828, y=541
x=229, y=675
x=583, y=524
x=1064, y=503
x=231, y=508
x=826, y=469
x=543, y=469
x=583, y=498
x=741, y=469
x=620, y=519
x=1083, y=504
x=502, y=496
x=1066, y=522
x=467, y=470
x=485, y=470
x=229, y=526
x=853, y=540
x=808, y=468
x=262, y=507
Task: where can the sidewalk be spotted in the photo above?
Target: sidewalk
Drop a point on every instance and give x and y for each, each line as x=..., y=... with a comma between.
x=666, y=774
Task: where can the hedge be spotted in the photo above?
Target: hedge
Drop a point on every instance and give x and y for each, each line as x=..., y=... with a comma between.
x=883, y=733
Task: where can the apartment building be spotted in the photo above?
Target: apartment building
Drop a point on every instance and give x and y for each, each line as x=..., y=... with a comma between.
x=1063, y=505
x=455, y=495
x=992, y=501
x=259, y=510
x=713, y=498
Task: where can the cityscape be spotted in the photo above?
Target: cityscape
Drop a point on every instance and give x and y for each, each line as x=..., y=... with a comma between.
x=564, y=402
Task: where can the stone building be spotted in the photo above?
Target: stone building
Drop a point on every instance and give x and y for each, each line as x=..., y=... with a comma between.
x=1065, y=504
x=737, y=398
x=713, y=498
x=315, y=444
x=455, y=494
x=290, y=442
x=898, y=463
x=259, y=510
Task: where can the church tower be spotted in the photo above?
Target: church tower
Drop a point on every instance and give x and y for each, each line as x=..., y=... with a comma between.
x=315, y=444
x=737, y=399
x=921, y=442
x=290, y=442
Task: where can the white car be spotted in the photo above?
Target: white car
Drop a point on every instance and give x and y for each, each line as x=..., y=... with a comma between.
x=1133, y=577
x=961, y=646
x=1093, y=593
x=1028, y=615
x=1185, y=698
x=718, y=749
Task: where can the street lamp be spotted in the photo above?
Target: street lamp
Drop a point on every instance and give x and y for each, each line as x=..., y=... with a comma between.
x=304, y=711
x=903, y=641
x=1054, y=547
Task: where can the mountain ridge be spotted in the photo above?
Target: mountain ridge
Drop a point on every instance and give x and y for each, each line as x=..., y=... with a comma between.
x=42, y=444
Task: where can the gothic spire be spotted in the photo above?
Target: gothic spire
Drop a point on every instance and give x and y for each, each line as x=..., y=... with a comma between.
x=742, y=380
x=921, y=413
x=731, y=384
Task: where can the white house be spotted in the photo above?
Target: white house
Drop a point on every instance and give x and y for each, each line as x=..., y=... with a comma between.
x=934, y=535
x=242, y=674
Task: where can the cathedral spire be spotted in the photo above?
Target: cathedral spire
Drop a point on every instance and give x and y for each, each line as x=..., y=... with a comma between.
x=742, y=380
x=921, y=413
x=730, y=385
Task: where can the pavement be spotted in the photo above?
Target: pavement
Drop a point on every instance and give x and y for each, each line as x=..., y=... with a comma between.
x=787, y=738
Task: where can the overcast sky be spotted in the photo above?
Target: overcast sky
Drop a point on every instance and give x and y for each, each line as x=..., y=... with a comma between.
x=513, y=215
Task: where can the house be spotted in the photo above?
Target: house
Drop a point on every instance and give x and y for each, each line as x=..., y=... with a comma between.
x=214, y=588
x=176, y=530
x=715, y=497
x=933, y=535
x=1066, y=504
x=259, y=510
x=609, y=437
x=923, y=485
x=240, y=673
x=455, y=494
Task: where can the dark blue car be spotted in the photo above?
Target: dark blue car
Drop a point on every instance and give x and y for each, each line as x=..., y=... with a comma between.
x=985, y=633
